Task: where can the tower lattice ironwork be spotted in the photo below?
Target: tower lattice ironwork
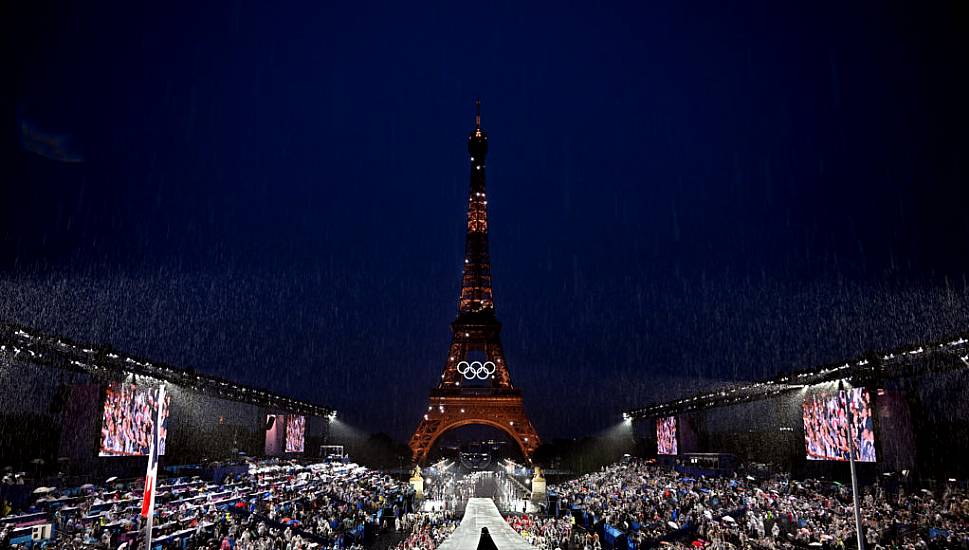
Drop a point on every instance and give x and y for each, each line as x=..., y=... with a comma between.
x=475, y=386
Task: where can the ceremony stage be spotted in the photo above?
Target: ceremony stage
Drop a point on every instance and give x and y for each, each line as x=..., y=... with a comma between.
x=482, y=512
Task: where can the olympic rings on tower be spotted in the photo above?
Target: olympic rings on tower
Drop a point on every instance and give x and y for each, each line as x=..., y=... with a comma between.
x=476, y=369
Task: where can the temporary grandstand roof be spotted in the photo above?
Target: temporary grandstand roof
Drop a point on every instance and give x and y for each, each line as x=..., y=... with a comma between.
x=24, y=344
x=952, y=353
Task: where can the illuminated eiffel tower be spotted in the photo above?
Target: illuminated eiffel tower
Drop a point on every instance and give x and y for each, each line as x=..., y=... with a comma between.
x=475, y=387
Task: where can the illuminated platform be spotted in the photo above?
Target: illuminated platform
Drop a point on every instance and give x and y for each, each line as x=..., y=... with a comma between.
x=482, y=512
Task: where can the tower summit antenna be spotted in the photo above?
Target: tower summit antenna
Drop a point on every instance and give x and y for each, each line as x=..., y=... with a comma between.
x=477, y=116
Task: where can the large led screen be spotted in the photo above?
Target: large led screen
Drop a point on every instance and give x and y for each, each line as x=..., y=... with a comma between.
x=295, y=433
x=130, y=413
x=666, y=435
x=826, y=426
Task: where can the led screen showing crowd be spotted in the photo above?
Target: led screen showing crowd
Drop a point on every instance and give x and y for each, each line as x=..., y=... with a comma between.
x=826, y=426
x=666, y=435
x=130, y=413
x=295, y=433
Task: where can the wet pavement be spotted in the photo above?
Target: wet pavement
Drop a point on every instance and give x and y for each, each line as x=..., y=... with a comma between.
x=482, y=512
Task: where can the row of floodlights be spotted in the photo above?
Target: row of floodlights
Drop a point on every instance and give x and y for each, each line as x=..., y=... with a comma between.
x=824, y=371
x=17, y=351
x=148, y=365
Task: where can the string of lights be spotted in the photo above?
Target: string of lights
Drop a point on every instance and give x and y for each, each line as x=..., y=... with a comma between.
x=950, y=354
x=20, y=343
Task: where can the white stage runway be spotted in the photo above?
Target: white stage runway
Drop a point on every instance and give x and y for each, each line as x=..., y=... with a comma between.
x=482, y=512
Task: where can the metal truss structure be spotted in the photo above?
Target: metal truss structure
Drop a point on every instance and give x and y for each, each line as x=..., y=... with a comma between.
x=18, y=343
x=867, y=370
x=475, y=391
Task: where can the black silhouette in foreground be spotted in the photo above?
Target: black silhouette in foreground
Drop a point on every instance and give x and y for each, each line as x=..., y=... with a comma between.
x=485, y=542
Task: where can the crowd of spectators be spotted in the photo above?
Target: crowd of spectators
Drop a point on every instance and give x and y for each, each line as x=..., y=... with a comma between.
x=553, y=533
x=129, y=418
x=666, y=435
x=426, y=530
x=645, y=505
x=632, y=505
x=828, y=434
x=295, y=433
x=273, y=505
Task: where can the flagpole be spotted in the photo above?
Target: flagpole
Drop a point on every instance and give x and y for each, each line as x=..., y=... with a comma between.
x=851, y=459
x=151, y=514
x=151, y=477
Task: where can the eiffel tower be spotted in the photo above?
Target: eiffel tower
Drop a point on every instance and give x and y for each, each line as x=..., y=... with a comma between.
x=475, y=386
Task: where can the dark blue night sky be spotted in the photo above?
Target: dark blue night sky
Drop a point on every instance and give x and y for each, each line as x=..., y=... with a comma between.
x=679, y=194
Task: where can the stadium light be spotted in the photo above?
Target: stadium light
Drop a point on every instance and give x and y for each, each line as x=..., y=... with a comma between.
x=56, y=352
x=946, y=355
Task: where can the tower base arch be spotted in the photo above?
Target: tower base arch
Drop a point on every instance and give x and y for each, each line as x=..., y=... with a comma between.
x=504, y=411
